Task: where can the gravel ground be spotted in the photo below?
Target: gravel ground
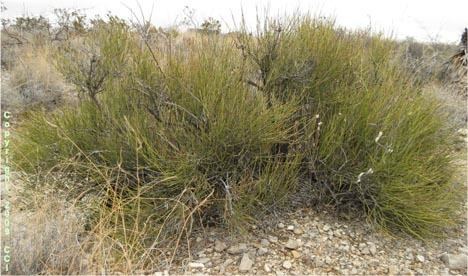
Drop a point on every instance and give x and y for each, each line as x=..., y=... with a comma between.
x=306, y=242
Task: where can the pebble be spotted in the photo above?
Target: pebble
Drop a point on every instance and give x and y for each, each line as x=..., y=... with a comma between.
x=267, y=267
x=203, y=260
x=280, y=225
x=264, y=243
x=453, y=261
x=262, y=251
x=372, y=248
x=228, y=262
x=295, y=254
x=287, y=264
x=273, y=239
x=463, y=132
x=237, y=249
x=246, y=263
x=291, y=244
x=196, y=265
x=298, y=231
x=290, y=228
x=219, y=246
x=420, y=258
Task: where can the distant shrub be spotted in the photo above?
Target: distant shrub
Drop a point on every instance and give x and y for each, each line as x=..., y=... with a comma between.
x=34, y=82
x=426, y=61
x=211, y=25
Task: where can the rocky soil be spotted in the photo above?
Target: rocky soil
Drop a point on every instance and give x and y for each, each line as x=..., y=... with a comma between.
x=307, y=242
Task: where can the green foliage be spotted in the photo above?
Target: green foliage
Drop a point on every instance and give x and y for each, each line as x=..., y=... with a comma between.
x=216, y=133
x=372, y=140
x=87, y=65
x=30, y=23
x=211, y=25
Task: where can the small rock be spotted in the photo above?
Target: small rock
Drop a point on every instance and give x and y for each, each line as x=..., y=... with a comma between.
x=280, y=225
x=291, y=244
x=372, y=248
x=228, y=262
x=328, y=260
x=220, y=246
x=287, y=264
x=246, y=263
x=203, y=260
x=298, y=231
x=420, y=258
x=326, y=227
x=453, y=261
x=198, y=239
x=463, y=132
x=290, y=227
x=273, y=239
x=267, y=268
x=365, y=251
x=252, y=252
x=237, y=249
x=295, y=254
x=196, y=265
x=264, y=242
x=299, y=242
x=309, y=244
x=392, y=270
x=262, y=251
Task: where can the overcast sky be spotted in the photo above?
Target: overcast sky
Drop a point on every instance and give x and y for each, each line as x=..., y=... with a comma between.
x=442, y=20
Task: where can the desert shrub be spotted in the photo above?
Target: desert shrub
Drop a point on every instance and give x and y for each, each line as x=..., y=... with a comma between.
x=219, y=132
x=372, y=140
x=187, y=136
x=211, y=25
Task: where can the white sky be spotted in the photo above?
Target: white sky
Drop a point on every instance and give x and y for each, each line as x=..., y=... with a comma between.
x=442, y=20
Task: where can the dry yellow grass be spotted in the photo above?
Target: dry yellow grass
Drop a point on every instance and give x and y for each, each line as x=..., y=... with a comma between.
x=33, y=81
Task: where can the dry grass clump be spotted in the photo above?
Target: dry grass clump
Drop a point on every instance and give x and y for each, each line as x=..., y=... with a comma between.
x=47, y=233
x=218, y=132
x=426, y=61
x=34, y=82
